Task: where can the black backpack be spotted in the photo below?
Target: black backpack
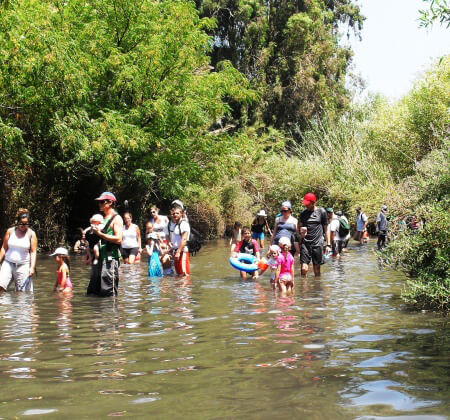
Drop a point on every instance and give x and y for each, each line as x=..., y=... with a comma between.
x=195, y=241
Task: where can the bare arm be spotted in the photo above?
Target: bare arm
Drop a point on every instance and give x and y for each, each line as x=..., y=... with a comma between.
x=268, y=228
x=33, y=253
x=275, y=227
x=4, y=246
x=117, y=227
x=182, y=244
x=138, y=234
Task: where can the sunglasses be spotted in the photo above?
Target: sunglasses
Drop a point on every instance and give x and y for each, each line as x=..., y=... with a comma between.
x=285, y=211
x=103, y=201
x=23, y=224
x=153, y=212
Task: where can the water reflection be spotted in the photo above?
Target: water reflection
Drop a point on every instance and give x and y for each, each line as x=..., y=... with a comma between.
x=340, y=347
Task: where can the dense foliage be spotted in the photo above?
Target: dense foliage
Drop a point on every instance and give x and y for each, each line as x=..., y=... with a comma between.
x=289, y=51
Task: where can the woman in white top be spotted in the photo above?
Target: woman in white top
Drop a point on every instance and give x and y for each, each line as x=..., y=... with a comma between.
x=131, y=240
x=18, y=253
x=160, y=223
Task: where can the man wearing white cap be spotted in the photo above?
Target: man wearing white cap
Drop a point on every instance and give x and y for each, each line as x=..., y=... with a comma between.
x=105, y=275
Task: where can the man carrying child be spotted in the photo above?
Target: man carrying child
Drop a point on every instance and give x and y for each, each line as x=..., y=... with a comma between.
x=104, y=279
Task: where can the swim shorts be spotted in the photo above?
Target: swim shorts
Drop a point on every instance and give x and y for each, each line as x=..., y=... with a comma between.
x=258, y=235
x=183, y=264
x=308, y=253
x=126, y=252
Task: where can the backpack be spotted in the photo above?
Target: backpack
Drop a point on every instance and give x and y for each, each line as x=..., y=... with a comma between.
x=195, y=241
x=344, y=228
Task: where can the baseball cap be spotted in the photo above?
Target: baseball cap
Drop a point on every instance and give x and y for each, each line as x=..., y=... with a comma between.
x=60, y=251
x=286, y=204
x=308, y=199
x=329, y=209
x=106, y=196
x=384, y=207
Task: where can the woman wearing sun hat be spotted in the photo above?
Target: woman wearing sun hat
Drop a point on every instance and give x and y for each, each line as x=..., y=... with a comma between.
x=258, y=226
x=18, y=252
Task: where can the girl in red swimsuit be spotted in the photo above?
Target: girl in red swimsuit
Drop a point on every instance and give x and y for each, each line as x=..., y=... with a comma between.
x=63, y=282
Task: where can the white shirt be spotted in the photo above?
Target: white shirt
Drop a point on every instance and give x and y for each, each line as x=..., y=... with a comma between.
x=334, y=227
x=176, y=233
x=381, y=217
x=18, y=248
x=129, y=237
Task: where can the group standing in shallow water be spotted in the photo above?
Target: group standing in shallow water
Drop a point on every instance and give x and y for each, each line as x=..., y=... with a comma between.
x=316, y=235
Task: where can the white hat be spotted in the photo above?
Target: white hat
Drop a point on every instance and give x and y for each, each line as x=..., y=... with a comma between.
x=96, y=218
x=262, y=213
x=60, y=251
x=153, y=235
x=179, y=202
x=284, y=241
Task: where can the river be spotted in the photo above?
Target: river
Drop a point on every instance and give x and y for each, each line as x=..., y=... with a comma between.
x=344, y=347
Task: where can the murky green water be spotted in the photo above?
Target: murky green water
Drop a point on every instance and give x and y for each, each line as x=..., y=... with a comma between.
x=218, y=347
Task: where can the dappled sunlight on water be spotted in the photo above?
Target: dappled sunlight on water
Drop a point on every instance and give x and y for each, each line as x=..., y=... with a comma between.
x=215, y=346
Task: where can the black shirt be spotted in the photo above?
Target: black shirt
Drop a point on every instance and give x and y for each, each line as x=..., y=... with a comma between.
x=316, y=222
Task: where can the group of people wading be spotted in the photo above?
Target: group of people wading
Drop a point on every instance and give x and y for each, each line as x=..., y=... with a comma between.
x=318, y=233
x=108, y=237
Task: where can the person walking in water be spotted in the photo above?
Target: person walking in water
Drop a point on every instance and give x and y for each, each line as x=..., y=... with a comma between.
x=382, y=227
x=179, y=231
x=18, y=252
x=286, y=226
x=104, y=279
x=361, y=226
x=315, y=220
x=258, y=227
x=63, y=282
x=131, y=240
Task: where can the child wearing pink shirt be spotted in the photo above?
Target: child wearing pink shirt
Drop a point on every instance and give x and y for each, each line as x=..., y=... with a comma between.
x=285, y=271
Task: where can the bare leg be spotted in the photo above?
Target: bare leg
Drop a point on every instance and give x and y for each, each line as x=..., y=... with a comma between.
x=304, y=270
x=316, y=268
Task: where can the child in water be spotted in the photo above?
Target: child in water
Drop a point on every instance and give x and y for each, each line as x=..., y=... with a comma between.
x=247, y=246
x=63, y=282
x=284, y=277
x=93, y=240
x=153, y=251
x=166, y=258
x=272, y=255
x=236, y=235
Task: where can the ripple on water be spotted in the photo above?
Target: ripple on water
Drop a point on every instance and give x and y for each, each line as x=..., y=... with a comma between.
x=386, y=392
x=39, y=411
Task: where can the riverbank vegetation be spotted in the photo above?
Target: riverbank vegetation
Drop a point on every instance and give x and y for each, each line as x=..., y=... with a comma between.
x=231, y=107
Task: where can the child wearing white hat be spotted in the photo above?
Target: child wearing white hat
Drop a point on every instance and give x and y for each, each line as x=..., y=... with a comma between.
x=63, y=283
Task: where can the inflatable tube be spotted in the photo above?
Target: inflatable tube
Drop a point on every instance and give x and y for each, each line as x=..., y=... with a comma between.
x=244, y=262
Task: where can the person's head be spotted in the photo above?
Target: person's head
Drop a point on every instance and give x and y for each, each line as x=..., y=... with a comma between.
x=106, y=201
x=358, y=210
x=246, y=233
x=176, y=213
x=149, y=227
x=153, y=236
x=384, y=208
x=178, y=203
x=309, y=201
x=22, y=219
x=96, y=219
x=61, y=256
x=329, y=212
x=153, y=211
x=274, y=251
x=286, y=208
x=261, y=215
x=339, y=213
x=127, y=218
x=237, y=225
x=284, y=243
